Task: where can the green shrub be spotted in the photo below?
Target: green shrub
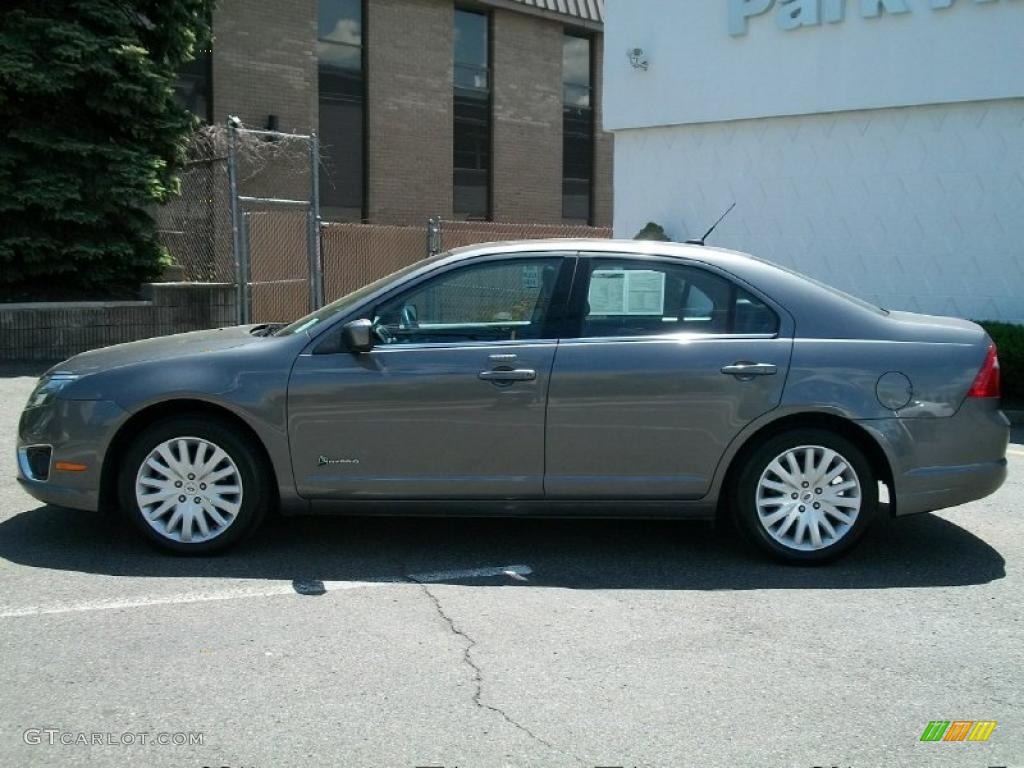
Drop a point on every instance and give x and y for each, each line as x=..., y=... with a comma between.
x=652, y=231
x=1009, y=340
x=91, y=138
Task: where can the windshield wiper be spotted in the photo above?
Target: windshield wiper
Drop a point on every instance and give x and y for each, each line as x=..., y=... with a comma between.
x=265, y=329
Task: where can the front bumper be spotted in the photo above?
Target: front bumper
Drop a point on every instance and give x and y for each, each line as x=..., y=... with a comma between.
x=78, y=433
x=943, y=462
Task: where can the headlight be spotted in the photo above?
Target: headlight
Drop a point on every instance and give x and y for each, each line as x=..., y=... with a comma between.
x=48, y=387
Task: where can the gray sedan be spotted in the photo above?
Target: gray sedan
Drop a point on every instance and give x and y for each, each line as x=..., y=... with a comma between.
x=563, y=377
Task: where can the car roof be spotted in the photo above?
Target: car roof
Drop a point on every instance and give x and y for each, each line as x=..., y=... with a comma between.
x=739, y=263
x=601, y=245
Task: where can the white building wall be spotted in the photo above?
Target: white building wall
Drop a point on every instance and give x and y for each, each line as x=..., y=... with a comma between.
x=918, y=208
x=882, y=53
x=876, y=144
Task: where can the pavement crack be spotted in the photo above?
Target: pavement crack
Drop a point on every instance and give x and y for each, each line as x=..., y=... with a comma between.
x=478, y=674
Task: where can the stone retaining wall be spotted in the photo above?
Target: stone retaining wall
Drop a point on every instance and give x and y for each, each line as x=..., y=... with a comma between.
x=45, y=331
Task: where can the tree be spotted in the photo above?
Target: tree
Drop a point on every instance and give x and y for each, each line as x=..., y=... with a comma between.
x=652, y=231
x=92, y=138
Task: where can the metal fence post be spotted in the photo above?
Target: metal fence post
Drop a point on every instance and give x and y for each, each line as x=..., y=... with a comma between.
x=236, y=237
x=316, y=273
x=433, y=236
x=246, y=263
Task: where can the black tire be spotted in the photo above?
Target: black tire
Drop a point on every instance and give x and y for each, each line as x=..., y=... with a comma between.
x=254, y=499
x=745, y=506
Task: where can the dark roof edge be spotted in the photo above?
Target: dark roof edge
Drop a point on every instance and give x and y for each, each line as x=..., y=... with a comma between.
x=568, y=19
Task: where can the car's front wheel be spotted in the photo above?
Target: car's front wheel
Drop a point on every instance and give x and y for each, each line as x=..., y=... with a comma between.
x=806, y=495
x=192, y=485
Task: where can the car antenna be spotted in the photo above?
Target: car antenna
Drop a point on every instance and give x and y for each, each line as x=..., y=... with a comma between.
x=706, y=234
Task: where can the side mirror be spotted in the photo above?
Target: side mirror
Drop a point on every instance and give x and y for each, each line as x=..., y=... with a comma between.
x=357, y=336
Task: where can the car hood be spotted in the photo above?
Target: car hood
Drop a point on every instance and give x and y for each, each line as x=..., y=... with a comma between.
x=159, y=348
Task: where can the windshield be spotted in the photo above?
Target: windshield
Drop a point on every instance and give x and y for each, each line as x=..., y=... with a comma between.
x=345, y=303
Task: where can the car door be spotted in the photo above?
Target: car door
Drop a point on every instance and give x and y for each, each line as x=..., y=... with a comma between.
x=450, y=401
x=667, y=362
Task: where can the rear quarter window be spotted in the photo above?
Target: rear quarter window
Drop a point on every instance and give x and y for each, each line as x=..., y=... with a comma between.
x=628, y=297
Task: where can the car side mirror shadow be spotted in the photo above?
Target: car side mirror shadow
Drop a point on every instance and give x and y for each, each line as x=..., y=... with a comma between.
x=357, y=336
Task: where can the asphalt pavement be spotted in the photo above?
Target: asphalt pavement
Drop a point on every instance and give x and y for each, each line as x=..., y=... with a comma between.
x=487, y=643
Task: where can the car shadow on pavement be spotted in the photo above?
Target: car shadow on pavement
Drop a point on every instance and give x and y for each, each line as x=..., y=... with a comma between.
x=920, y=551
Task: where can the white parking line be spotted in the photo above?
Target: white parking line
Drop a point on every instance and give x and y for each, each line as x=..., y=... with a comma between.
x=105, y=604
x=271, y=589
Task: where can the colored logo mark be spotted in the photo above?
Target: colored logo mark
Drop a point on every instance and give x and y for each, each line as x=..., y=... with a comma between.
x=958, y=730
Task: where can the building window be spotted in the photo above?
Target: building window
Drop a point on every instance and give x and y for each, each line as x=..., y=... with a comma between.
x=342, y=106
x=577, y=129
x=193, y=87
x=472, y=107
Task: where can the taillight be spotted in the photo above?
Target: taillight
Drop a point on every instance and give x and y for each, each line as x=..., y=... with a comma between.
x=986, y=383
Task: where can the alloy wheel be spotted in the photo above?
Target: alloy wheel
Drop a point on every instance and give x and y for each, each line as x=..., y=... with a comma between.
x=808, y=498
x=189, y=490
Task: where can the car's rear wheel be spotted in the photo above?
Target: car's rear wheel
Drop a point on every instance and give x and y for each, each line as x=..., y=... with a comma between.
x=806, y=495
x=193, y=486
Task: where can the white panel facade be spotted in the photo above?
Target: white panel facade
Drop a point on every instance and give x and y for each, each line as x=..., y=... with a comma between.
x=792, y=57
x=918, y=208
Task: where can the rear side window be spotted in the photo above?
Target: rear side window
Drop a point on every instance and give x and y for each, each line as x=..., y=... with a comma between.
x=627, y=297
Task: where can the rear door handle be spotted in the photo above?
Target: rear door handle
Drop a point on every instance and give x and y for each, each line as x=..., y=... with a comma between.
x=745, y=369
x=517, y=374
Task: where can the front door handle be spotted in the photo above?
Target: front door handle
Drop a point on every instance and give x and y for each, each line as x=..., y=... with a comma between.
x=745, y=369
x=516, y=374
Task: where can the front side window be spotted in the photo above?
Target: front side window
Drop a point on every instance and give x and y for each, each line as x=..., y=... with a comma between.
x=626, y=297
x=342, y=100
x=496, y=301
x=472, y=114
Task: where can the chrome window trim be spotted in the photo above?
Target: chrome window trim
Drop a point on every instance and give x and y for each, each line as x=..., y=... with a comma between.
x=663, y=337
x=503, y=344
x=594, y=340
x=567, y=341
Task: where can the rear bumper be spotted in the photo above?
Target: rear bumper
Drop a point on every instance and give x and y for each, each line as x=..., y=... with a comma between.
x=943, y=462
x=930, y=488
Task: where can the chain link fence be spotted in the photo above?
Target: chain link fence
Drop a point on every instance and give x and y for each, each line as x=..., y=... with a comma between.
x=278, y=265
x=195, y=227
x=455, y=234
x=248, y=215
x=272, y=184
x=356, y=254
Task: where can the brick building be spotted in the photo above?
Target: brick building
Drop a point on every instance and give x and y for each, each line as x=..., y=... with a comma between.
x=480, y=110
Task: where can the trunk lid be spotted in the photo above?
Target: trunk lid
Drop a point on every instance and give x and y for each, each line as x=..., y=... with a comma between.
x=938, y=328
